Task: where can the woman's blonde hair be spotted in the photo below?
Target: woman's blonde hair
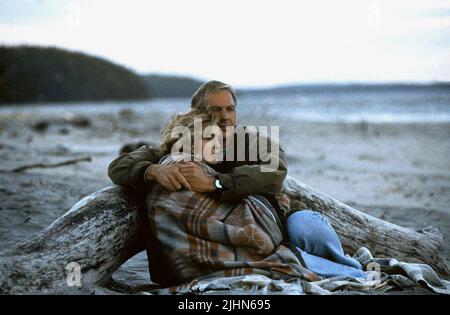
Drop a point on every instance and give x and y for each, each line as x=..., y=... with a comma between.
x=182, y=120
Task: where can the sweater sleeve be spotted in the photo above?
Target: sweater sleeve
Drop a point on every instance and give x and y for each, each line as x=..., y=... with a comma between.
x=266, y=175
x=128, y=169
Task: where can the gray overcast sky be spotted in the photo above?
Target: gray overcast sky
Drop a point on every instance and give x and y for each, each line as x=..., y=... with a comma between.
x=247, y=42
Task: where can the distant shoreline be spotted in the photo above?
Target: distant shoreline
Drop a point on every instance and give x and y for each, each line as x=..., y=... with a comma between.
x=347, y=88
x=33, y=74
x=306, y=89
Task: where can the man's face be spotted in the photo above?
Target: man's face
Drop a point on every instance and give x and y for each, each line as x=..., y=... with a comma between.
x=222, y=108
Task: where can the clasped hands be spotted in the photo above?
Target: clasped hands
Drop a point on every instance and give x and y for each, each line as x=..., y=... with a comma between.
x=185, y=174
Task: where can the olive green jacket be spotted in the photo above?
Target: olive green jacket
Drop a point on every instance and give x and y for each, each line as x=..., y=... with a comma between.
x=239, y=178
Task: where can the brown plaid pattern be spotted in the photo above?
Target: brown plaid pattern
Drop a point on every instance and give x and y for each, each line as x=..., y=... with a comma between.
x=202, y=237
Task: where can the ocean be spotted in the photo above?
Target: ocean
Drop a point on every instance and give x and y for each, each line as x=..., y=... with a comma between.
x=428, y=105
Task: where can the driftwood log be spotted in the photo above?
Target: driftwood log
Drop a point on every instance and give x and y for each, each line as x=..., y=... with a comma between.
x=104, y=229
x=99, y=233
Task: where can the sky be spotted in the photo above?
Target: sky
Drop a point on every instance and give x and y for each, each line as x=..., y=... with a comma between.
x=247, y=43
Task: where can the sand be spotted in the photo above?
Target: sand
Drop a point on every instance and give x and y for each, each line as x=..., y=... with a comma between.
x=397, y=172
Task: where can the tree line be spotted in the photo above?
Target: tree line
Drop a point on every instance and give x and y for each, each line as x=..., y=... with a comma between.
x=48, y=74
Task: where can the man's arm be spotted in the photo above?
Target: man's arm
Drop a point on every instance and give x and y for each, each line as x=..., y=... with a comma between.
x=128, y=169
x=250, y=179
x=139, y=170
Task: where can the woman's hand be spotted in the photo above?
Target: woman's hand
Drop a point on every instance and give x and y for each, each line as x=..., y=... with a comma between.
x=197, y=179
x=168, y=176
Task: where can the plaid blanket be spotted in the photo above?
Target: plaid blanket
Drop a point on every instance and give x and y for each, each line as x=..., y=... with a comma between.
x=202, y=237
x=386, y=275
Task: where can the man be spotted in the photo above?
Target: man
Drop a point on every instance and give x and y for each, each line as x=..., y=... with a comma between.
x=236, y=178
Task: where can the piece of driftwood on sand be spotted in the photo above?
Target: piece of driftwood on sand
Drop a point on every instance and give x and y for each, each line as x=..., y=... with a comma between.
x=48, y=165
x=104, y=229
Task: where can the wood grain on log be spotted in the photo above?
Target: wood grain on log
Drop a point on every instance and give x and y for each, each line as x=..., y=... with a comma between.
x=99, y=233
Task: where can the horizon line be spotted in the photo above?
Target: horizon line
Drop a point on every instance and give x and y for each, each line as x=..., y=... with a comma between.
x=235, y=86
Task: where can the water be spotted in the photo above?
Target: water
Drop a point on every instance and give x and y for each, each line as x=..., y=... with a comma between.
x=431, y=105
x=377, y=107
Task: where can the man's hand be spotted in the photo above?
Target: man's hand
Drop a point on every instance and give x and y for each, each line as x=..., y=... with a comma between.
x=168, y=176
x=197, y=179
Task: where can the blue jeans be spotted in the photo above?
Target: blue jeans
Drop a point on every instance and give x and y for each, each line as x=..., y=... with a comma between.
x=319, y=246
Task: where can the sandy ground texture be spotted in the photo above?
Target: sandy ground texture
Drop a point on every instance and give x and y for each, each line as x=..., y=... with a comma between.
x=397, y=172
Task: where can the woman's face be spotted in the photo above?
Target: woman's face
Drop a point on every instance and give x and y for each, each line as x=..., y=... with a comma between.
x=211, y=149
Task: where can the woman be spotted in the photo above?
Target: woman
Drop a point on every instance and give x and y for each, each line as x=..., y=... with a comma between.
x=210, y=137
x=200, y=236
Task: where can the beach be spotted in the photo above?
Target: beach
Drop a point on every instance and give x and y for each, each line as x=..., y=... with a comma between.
x=396, y=171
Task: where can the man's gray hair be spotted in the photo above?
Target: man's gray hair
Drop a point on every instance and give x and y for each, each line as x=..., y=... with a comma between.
x=198, y=99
